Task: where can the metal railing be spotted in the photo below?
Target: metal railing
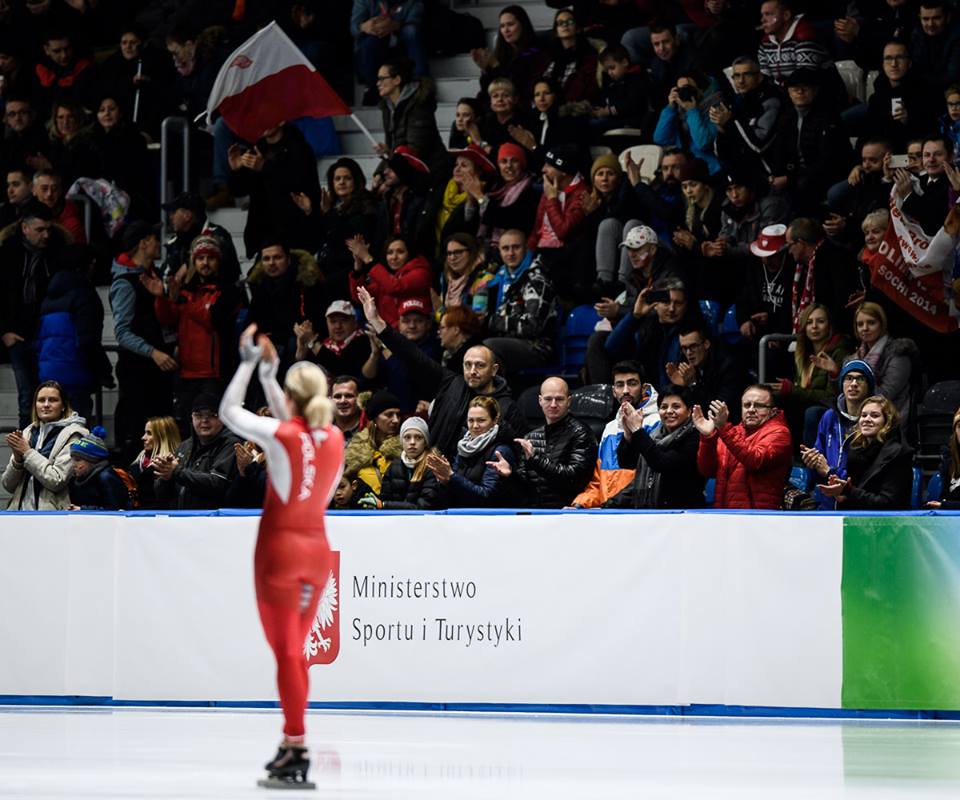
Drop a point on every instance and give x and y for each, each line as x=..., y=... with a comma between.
x=764, y=341
x=167, y=129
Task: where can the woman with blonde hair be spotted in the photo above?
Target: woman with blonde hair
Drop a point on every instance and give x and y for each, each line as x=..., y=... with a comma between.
x=950, y=470
x=292, y=562
x=161, y=438
x=879, y=466
x=38, y=472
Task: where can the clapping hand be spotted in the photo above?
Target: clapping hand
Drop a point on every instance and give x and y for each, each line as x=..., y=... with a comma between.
x=440, y=467
x=719, y=413
x=18, y=444
x=631, y=418
x=814, y=460
x=835, y=487
x=704, y=425
x=682, y=374
x=526, y=446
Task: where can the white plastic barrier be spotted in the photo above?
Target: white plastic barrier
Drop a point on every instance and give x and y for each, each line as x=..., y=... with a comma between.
x=612, y=610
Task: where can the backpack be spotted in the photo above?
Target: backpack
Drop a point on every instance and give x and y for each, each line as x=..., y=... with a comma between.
x=133, y=490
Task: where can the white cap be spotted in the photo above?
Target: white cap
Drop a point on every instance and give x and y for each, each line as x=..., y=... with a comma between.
x=340, y=307
x=639, y=236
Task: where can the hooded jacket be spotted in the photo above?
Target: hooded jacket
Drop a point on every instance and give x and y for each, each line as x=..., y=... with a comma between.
x=751, y=467
x=368, y=461
x=137, y=328
x=413, y=122
x=40, y=483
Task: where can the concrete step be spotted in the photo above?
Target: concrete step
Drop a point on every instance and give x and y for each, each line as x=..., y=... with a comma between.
x=488, y=13
x=373, y=120
x=461, y=66
x=450, y=90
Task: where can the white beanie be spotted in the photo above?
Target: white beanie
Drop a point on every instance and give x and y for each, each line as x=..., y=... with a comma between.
x=416, y=423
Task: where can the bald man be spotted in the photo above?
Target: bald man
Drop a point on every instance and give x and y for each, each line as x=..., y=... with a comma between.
x=557, y=458
x=451, y=392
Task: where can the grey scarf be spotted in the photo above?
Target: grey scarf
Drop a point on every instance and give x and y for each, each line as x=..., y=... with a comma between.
x=646, y=484
x=470, y=445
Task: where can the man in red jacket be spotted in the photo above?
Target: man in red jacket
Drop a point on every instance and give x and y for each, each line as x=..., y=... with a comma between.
x=751, y=461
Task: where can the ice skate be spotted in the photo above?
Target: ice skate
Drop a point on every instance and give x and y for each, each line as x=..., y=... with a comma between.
x=288, y=770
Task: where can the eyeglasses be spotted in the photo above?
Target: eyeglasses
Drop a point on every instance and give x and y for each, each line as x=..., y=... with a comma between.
x=854, y=379
x=565, y=23
x=747, y=406
x=204, y=416
x=457, y=253
x=382, y=78
x=691, y=348
x=953, y=105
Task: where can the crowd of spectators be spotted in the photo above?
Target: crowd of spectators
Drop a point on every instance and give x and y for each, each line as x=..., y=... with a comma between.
x=434, y=292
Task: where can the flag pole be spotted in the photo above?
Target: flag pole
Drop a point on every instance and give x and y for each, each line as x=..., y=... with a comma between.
x=366, y=132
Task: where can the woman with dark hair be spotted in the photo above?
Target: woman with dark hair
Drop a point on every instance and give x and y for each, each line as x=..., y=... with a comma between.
x=879, y=465
x=466, y=117
x=573, y=61
x=515, y=54
x=38, y=472
x=464, y=278
x=409, y=106
x=402, y=275
x=666, y=457
x=472, y=481
x=950, y=470
x=546, y=128
x=122, y=150
x=348, y=210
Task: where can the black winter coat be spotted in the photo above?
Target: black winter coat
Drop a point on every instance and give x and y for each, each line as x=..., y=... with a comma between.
x=23, y=283
x=452, y=395
x=101, y=491
x=564, y=457
x=681, y=484
x=881, y=476
x=204, y=474
x=949, y=498
x=475, y=485
x=289, y=167
x=817, y=158
x=412, y=122
x=397, y=491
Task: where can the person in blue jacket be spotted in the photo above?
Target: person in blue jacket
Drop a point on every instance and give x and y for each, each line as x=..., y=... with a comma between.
x=94, y=485
x=829, y=452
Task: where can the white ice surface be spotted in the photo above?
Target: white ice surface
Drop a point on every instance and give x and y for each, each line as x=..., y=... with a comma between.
x=170, y=753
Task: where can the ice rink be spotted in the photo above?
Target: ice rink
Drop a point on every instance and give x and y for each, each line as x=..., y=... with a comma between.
x=51, y=752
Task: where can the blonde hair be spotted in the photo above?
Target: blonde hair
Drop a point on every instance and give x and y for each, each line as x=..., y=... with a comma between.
x=166, y=436
x=306, y=385
x=804, y=346
x=879, y=217
x=871, y=310
x=489, y=404
x=891, y=420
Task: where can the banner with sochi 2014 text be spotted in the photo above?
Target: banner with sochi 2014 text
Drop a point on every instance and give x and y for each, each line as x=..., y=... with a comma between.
x=916, y=270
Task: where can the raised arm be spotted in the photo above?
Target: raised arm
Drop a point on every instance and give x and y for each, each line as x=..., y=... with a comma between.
x=260, y=430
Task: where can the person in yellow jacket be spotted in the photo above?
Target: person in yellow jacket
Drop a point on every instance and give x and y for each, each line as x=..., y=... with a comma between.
x=609, y=477
x=372, y=450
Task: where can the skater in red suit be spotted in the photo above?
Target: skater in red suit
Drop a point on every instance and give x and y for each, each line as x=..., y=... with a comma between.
x=292, y=562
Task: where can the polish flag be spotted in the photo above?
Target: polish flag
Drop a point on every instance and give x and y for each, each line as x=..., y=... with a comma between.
x=266, y=81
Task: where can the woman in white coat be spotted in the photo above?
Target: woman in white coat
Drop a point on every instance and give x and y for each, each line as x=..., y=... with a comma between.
x=38, y=472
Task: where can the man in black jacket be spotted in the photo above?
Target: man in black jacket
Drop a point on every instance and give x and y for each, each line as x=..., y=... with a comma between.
x=707, y=370
x=188, y=218
x=557, y=459
x=28, y=258
x=201, y=472
x=452, y=392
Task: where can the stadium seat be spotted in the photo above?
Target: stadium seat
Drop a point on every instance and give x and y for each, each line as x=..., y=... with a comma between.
x=868, y=89
x=852, y=76
x=711, y=315
x=933, y=487
x=529, y=404
x=934, y=421
x=710, y=491
x=800, y=478
x=594, y=406
x=729, y=329
x=651, y=155
x=916, y=491
x=574, y=335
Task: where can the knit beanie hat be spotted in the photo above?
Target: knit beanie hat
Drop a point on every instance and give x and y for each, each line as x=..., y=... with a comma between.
x=609, y=161
x=511, y=150
x=859, y=366
x=206, y=243
x=563, y=158
x=91, y=447
x=381, y=401
x=416, y=424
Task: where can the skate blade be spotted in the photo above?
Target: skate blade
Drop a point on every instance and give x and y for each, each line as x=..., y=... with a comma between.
x=275, y=783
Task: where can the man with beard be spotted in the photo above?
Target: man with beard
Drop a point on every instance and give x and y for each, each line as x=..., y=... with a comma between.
x=609, y=477
x=452, y=392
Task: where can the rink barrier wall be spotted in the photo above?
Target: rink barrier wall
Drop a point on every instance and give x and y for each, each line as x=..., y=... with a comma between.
x=705, y=613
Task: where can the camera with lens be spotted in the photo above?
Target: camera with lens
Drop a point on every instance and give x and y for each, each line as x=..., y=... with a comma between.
x=687, y=93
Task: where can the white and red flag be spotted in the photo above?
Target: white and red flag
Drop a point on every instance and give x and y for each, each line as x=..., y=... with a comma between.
x=266, y=81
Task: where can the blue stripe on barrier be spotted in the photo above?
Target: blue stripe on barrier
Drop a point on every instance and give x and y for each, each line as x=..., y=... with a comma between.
x=694, y=710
